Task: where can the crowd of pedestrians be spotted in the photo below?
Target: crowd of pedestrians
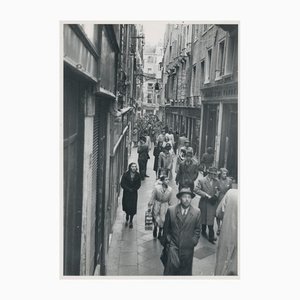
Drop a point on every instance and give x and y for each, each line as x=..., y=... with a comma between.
x=179, y=227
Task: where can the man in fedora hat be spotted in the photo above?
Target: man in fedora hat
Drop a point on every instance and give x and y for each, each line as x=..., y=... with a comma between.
x=208, y=188
x=181, y=234
x=187, y=146
x=187, y=171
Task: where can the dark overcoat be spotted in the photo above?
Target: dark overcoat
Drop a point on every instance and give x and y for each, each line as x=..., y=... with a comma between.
x=156, y=152
x=225, y=185
x=130, y=195
x=207, y=207
x=181, y=235
x=187, y=173
x=143, y=152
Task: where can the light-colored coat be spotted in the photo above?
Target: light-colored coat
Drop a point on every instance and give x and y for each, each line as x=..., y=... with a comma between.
x=165, y=163
x=208, y=210
x=227, y=251
x=160, y=202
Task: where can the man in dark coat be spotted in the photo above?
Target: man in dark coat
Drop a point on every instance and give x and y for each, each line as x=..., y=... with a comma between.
x=130, y=182
x=207, y=160
x=143, y=156
x=181, y=234
x=187, y=172
x=209, y=189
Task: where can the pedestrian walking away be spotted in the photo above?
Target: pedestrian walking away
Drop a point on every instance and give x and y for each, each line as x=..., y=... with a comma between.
x=176, y=138
x=157, y=150
x=181, y=234
x=181, y=141
x=135, y=136
x=167, y=141
x=180, y=159
x=187, y=172
x=148, y=143
x=159, y=203
x=208, y=189
x=161, y=137
x=227, y=250
x=225, y=185
x=170, y=136
x=143, y=156
x=187, y=146
x=130, y=183
x=207, y=160
x=165, y=162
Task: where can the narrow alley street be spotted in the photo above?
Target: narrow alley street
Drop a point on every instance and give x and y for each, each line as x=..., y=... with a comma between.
x=135, y=251
x=123, y=83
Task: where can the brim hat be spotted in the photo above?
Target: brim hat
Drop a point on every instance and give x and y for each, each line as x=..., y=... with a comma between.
x=162, y=177
x=185, y=191
x=213, y=170
x=190, y=151
x=223, y=170
x=168, y=146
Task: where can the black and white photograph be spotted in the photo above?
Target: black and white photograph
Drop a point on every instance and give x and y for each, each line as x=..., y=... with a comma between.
x=150, y=149
x=145, y=147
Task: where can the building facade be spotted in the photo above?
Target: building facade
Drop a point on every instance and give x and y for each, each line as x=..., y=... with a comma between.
x=151, y=95
x=182, y=103
x=200, y=85
x=99, y=62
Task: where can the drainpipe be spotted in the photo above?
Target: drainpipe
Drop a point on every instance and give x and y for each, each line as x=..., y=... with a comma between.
x=218, y=137
x=201, y=128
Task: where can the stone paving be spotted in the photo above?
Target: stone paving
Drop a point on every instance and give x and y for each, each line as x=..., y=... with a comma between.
x=135, y=251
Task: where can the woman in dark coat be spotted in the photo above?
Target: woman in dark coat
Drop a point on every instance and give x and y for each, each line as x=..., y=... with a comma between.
x=130, y=182
x=156, y=152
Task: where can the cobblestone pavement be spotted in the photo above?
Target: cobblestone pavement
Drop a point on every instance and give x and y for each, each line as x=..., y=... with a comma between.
x=135, y=251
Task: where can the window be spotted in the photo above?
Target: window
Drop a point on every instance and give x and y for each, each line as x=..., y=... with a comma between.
x=209, y=52
x=89, y=29
x=231, y=54
x=149, y=70
x=150, y=86
x=196, y=32
x=202, y=74
x=194, y=81
x=149, y=98
x=183, y=65
x=221, y=59
x=188, y=35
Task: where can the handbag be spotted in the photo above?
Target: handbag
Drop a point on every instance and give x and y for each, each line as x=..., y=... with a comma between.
x=148, y=220
x=213, y=200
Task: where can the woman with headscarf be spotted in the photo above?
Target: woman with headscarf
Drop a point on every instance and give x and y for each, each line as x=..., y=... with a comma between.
x=130, y=182
x=225, y=184
x=227, y=251
x=159, y=203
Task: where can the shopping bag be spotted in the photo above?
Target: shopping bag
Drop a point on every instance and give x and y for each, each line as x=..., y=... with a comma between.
x=148, y=220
